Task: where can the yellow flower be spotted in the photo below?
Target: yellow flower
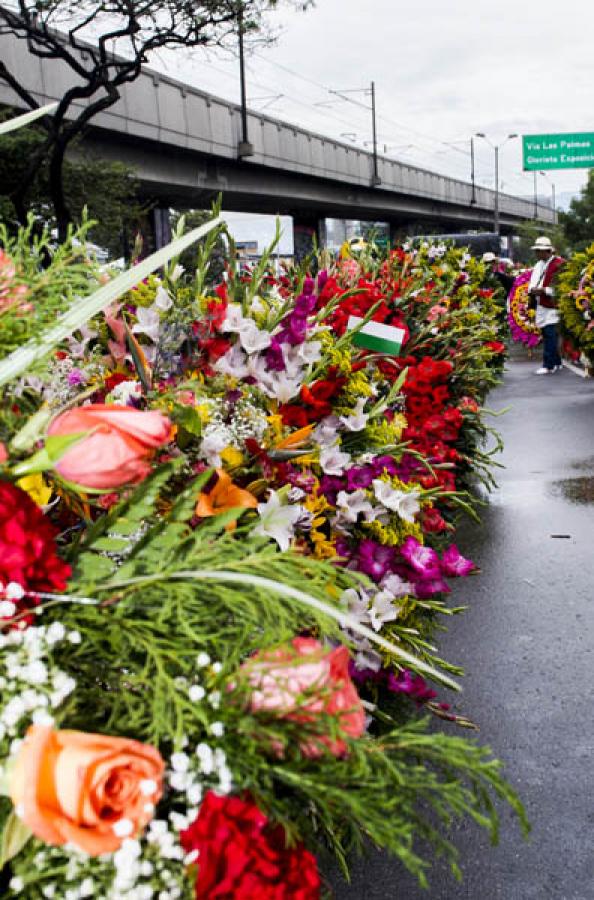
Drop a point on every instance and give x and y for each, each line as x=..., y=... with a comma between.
x=203, y=410
x=232, y=457
x=35, y=486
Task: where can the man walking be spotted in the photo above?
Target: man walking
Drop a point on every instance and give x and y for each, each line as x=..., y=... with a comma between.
x=542, y=295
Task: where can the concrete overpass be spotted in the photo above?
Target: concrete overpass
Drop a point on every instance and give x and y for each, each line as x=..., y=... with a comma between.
x=184, y=146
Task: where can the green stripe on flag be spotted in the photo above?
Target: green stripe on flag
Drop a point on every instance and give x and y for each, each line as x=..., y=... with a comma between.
x=378, y=345
x=376, y=336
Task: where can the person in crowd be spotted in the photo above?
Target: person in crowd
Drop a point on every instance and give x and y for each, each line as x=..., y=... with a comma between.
x=541, y=292
x=500, y=270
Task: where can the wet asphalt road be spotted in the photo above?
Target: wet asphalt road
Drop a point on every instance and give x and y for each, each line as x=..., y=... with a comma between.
x=527, y=644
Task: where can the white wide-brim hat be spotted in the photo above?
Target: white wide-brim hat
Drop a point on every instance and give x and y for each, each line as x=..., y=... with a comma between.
x=542, y=243
x=489, y=257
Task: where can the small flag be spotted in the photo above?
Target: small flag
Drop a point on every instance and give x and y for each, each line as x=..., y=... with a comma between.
x=377, y=337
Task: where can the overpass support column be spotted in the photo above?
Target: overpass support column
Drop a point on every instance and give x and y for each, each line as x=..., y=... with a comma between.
x=306, y=230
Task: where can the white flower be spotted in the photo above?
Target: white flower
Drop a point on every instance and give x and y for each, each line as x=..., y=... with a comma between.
x=149, y=322
x=123, y=828
x=218, y=729
x=326, y=433
x=180, y=762
x=55, y=633
x=202, y=660
x=368, y=659
x=16, y=884
x=205, y=758
x=310, y=352
x=7, y=609
x=14, y=591
x=405, y=503
x=252, y=339
x=333, y=461
x=163, y=300
x=357, y=604
x=397, y=586
x=74, y=637
x=211, y=446
x=178, y=271
x=232, y=363
x=351, y=505
x=233, y=318
x=196, y=693
x=382, y=609
x=277, y=521
x=148, y=787
x=358, y=420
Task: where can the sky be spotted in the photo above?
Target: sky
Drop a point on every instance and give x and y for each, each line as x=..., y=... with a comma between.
x=443, y=71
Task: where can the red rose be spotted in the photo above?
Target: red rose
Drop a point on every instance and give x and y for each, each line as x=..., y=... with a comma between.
x=27, y=545
x=241, y=856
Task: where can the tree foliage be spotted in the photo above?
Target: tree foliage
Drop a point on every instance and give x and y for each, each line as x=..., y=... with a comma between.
x=104, y=45
x=108, y=190
x=578, y=221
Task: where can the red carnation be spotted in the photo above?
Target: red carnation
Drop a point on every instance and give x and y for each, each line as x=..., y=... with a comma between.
x=27, y=545
x=242, y=857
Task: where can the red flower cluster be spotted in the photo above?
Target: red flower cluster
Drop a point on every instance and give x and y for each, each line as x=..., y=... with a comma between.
x=242, y=857
x=315, y=401
x=27, y=545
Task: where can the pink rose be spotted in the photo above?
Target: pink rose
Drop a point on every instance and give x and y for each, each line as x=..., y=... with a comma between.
x=301, y=679
x=3, y=453
x=118, y=449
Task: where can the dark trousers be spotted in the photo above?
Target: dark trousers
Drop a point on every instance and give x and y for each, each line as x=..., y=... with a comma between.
x=550, y=350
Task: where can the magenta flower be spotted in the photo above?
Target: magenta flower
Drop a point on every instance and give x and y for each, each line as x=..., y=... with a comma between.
x=374, y=559
x=359, y=477
x=423, y=560
x=330, y=486
x=425, y=588
x=454, y=564
x=383, y=464
x=414, y=686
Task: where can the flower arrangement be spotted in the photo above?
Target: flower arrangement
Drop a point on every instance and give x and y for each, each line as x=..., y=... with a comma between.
x=576, y=306
x=520, y=316
x=226, y=536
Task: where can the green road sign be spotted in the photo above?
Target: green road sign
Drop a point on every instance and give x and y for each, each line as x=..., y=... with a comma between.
x=573, y=150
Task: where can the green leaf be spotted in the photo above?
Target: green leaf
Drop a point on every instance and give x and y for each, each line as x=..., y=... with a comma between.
x=14, y=837
x=82, y=310
x=46, y=458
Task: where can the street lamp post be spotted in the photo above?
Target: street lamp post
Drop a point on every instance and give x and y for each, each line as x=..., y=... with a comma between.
x=535, y=197
x=496, y=148
x=244, y=148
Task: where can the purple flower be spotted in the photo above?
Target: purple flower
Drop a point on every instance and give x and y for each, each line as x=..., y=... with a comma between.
x=423, y=560
x=383, y=464
x=274, y=356
x=76, y=377
x=454, y=564
x=304, y=480
x=330, y=485
x=360, y=676
x=360, y=477
x=322, y=279
x=427, y=587
x=295, y=328
x=342, y=548
x=308, y=285
x=374, y=559
x=304, y=305
x=414, y=686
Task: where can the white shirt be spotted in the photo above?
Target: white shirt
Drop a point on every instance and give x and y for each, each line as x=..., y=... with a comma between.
x=544, y=315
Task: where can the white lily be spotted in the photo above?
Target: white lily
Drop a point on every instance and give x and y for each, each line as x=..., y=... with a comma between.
x=358, y=420
x=350, y=506
x=278, y=521
x=149, y=322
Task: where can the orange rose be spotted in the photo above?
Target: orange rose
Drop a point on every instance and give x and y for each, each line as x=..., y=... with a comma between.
x=117, y=451
x=91, y=790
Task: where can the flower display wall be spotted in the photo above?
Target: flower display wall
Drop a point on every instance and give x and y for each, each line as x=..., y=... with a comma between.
x=228, y=538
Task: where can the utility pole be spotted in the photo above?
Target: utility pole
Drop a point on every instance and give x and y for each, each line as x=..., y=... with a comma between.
x=496, y=198
x=375, y=179
x=535, y=197
x=244, y=148
x=472, y=179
